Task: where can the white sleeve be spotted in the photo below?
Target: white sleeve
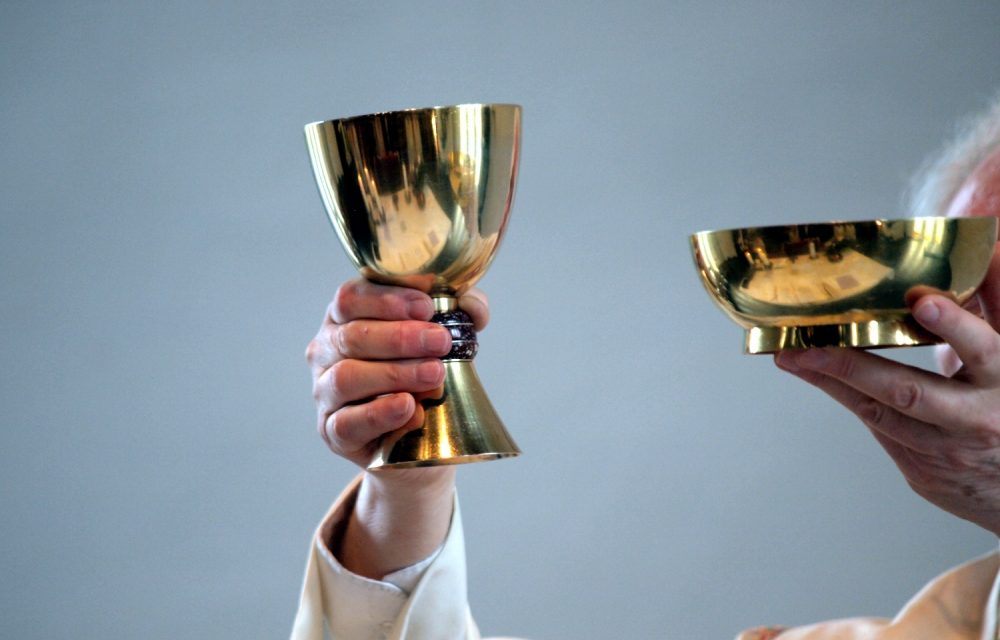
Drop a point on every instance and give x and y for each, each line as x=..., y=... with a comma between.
x=960, y=604
x=425, y=600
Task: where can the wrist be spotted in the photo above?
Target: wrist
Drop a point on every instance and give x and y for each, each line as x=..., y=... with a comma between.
x=399, y=518
x=410, y=486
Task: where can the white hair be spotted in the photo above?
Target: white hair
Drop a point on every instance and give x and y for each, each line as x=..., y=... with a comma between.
x=935, y=185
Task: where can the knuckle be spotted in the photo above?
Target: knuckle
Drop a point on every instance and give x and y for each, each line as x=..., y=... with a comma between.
x=842, y=365
x=348, y=339
x=921, y=485
x=989, y=436
x=906, y=394
x=920, y=478
x=312, y=350
x=985, y=356
x=397, y=338
x=341, y=340
x=871, y=411
x=339, y=428
x=955, y=460
x=341, y=379
x=343, y=300
x=322, y=428
x=396, y=375
x=811, y=377
x=985, y=430
x=371, y=416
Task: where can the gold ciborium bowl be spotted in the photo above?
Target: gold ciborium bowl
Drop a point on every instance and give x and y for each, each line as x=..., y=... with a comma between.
x=420, y=198
x=840, y=284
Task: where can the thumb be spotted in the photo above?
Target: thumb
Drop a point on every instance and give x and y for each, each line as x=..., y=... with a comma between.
x=989, y=293
x=474, y=303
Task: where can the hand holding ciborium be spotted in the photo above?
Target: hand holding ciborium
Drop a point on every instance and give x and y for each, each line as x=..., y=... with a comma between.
x=421, y=198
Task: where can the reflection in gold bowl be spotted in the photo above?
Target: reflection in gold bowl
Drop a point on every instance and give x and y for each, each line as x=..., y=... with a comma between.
x=840, y=284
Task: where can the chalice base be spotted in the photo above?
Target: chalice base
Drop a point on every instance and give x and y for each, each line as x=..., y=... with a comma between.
x=460, y=426
x=871, y=334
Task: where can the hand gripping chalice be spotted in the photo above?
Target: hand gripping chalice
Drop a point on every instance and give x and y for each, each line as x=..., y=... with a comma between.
x=420, y=198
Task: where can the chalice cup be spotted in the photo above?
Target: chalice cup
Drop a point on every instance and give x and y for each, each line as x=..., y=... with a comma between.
x=421, y=198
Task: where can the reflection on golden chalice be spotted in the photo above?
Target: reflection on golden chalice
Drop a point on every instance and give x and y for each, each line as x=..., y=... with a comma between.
x=420, y=198
x=840, y=284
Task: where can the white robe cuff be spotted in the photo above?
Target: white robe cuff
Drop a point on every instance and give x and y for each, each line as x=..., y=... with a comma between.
x=350, y=606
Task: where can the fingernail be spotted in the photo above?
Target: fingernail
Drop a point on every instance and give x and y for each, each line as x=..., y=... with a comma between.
x=420, y=309
x=786, y=361
x=927, y=312
x=429, y=372
x=435, y=341
x=812, y=358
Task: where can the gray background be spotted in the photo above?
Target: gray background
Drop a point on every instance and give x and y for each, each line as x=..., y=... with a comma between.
x=165, y=259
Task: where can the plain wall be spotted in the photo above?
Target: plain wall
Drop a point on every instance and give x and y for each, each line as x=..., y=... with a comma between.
x=165, y=258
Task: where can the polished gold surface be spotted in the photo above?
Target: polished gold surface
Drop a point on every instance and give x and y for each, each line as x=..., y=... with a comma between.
x=840, y=284
x=460, y=425
x=421, y=198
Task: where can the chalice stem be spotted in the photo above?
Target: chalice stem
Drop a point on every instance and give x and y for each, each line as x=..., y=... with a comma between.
x=460, y=424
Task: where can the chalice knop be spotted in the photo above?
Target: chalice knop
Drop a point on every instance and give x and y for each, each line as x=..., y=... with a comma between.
x=421, y=198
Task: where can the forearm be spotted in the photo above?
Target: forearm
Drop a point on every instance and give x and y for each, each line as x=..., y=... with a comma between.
x=399, y=518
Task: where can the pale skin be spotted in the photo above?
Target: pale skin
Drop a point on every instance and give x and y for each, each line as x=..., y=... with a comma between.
x=941, y=429
x=375, y=349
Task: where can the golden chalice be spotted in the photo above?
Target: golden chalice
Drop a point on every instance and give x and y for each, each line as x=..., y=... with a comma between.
x=420, y=198
x=840, y=284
